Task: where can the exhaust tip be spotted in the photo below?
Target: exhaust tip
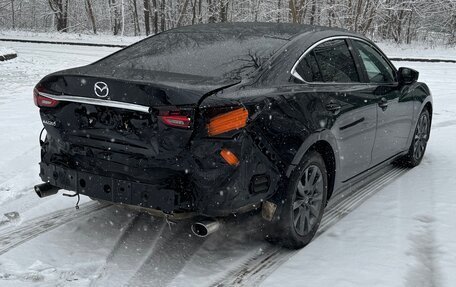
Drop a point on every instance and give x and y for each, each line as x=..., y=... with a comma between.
x=199, y=229
x=204, y=228
x=45, y=189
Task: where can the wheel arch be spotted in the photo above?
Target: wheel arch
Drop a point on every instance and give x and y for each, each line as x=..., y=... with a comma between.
x=325, y=144
x=429, y=107
x=423, y=98
x=326, y=151
x=425, y=105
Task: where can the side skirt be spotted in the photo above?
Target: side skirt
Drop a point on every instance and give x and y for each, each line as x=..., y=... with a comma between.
x=365, y=174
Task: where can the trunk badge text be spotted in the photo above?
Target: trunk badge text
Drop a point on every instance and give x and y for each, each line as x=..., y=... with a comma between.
x=101, y=89
x=49, y=123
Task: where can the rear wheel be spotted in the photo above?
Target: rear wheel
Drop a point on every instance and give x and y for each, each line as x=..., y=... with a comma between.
x=419, y=141
x=305, y=202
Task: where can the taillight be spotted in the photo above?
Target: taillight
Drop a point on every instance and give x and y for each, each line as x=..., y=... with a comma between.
x=176, y=119
x=42, y=101
x=226, y=122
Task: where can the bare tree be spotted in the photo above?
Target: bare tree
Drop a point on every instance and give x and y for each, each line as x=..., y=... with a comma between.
x=135, y=20
x=155, y=22
x=115, y=16
x=162, y=15
x=212, y=7
x=182, y=13
x=147, y=16
x=224, y=10
x=313, y=12
x=60, y=9
x=91, y=15
x=13, y=20
x=397, y=20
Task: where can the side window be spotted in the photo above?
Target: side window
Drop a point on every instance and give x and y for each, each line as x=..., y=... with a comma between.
x=336, y=62
x=378, y=70
x=308, y=68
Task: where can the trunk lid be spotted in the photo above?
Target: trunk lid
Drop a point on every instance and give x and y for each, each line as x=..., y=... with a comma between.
x=135, y=86
x=98, y=116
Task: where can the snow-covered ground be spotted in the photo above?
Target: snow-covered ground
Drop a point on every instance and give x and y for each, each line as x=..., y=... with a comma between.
x=6, y=51
x=418, y=51
x=69, y=37
x=403, y=233
x=393, y=50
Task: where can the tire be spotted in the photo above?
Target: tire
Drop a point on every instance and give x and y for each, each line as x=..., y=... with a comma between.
x=419, y=142
x=303, y=208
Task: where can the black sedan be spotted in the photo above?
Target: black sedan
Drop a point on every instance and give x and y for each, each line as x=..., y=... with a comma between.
x=220, y=119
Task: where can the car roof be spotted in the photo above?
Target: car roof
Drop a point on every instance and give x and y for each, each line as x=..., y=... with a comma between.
x=285, y=31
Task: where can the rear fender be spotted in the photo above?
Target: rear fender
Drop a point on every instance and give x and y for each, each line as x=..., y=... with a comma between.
x=324, y=135
x=307, y=144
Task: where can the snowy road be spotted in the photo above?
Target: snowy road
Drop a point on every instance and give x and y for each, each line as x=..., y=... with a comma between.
x=398, y=231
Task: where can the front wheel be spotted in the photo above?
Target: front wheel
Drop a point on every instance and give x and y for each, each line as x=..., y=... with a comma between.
x=304, y=204
x=419, y=141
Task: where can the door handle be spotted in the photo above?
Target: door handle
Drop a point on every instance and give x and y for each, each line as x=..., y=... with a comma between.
x=333, y=107
x=383, y=103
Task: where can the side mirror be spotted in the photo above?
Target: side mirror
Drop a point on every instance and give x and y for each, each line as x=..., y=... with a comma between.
x=407, y=76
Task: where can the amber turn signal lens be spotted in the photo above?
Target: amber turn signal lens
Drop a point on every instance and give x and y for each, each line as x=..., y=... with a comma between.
x=227, y=122
x=229, y=157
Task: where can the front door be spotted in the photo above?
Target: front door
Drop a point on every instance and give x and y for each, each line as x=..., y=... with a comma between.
x=394, y=111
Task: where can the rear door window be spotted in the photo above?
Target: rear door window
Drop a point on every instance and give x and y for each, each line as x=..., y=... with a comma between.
x=335, y=62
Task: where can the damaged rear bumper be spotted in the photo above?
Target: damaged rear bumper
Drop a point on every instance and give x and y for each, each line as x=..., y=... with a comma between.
x=110, y=189
x=203, y=185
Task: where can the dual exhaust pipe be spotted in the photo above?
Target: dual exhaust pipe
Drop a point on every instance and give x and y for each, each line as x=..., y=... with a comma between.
x=200, y=228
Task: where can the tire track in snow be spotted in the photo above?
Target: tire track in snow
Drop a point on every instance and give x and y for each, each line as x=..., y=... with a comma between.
x=348, y=203
x=443, y=124
x=131, y=249
x=168, y=256
x=125, y=232
x=425, y=271
x=42, y=224
x=147, y=250
x=255, y=270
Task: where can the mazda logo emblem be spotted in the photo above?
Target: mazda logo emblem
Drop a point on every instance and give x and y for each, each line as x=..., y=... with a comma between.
x=101, y=89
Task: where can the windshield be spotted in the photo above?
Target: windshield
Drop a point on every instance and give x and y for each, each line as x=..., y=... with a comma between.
x=201, y=54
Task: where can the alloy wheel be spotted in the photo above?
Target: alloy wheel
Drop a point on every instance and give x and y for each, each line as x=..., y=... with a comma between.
x=421, y=136
x=308, y=200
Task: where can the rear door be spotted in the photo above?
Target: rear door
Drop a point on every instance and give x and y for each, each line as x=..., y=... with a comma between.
x=350, y=112
x=394, y=110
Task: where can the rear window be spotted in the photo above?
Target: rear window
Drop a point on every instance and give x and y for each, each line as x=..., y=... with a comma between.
x=308, y=68
x=335, y=62
x=201, y=54
x=330, y=61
